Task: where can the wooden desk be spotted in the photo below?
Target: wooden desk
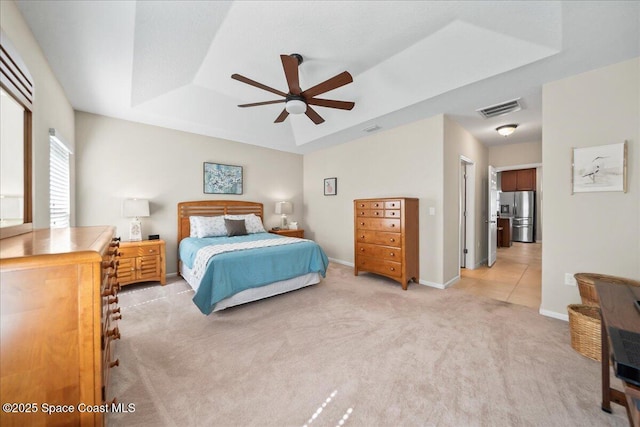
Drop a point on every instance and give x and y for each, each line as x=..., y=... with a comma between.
x=617, y=310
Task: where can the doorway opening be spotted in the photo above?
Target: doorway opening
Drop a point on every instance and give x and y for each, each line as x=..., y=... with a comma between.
x=466, y=214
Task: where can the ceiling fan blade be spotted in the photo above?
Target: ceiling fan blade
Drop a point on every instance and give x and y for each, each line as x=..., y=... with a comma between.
x=248, y=81
x=327, y=85
x=282, y=116
x=290, y=65
x=255, y=104
x=343, y=105
x=315, y=117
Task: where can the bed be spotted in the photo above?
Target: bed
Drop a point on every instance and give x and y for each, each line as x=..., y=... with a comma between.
x=249, y=265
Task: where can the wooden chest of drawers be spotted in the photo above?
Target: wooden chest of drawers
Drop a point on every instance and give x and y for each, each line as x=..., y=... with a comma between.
x=386, y=238
x=142, y=262
x=59, y=318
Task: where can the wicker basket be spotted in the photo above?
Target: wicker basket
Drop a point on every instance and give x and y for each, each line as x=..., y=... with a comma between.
x=586, y=285
x=584, y=326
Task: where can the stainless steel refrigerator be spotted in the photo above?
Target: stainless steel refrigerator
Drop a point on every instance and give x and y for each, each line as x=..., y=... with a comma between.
x=521, y=206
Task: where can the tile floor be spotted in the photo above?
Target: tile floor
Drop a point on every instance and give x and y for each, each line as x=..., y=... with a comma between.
x=516, y=276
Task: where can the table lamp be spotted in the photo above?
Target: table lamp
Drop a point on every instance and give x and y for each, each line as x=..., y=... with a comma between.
x=135, y=208
x=284, y=208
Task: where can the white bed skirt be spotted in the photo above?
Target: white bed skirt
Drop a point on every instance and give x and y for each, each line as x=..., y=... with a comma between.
x=254, y=294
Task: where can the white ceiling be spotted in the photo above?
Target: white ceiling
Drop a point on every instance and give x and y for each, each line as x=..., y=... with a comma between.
x=168, y=63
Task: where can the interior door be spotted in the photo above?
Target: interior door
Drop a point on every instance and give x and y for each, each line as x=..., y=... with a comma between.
x=492, y=221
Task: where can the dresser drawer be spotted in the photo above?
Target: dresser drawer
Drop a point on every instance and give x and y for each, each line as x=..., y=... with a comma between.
x=378, y=224
x=377, y=251
x=379, y=238
x=363, y=205
x=392, y=213
x=370, y=213
x=136, y=251
x=392, y=204
x=374, y=265
x=377, y=204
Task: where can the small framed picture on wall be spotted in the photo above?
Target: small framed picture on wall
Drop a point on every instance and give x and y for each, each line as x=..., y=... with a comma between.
x=330, y=186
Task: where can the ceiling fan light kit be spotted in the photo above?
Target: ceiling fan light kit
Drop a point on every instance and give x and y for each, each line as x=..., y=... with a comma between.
x=296, y=100
x=506, y=130
x=295, y=105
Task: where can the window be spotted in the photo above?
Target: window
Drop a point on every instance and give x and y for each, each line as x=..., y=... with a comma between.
x=59, y=182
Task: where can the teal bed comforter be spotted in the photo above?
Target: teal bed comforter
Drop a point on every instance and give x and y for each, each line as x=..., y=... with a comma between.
x=232, y=272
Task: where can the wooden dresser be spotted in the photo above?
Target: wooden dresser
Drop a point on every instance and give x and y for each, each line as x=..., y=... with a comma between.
x=59, y=315
x=386, y=238
x=142, y=261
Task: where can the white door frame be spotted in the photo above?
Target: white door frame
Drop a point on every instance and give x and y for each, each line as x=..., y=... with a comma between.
x=470, y=259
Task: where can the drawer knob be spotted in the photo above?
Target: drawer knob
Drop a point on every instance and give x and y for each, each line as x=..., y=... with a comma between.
x=362, y=213
x=362, y=223
x=362, y=237
x=392, y=240
x=115, y=333
x=393, y=225
x=392, y=269
x=114, y=364
x=377, y=213
x=361, y=249
x=392, y=254
x=110, y=292
x=109, y=264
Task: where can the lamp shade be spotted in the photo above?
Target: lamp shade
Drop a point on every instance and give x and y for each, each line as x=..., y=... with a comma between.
x=133, y=208
x=284, y=208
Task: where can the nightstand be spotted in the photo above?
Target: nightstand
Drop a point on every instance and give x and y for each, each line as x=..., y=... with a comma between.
x=142, y=261
x=289, y=233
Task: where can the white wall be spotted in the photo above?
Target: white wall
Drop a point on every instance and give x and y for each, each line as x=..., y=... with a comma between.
x=589, y=232
x=400, y=162
x=524, y=153
x=458, y=142
x=118, y=159
x=51, y=108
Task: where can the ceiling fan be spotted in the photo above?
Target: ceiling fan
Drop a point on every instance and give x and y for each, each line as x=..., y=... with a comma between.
x=296, y=100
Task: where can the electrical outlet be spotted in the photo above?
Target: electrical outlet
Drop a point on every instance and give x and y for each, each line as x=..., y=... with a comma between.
x=569, y=280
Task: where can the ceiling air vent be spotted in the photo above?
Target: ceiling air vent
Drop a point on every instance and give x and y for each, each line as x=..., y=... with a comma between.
x=500, y=109
x=372, y=128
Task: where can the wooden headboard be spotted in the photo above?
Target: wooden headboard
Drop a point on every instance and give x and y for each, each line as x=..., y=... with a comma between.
x=213, y=208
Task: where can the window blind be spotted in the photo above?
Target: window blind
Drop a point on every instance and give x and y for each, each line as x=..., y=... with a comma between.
x=59, y=184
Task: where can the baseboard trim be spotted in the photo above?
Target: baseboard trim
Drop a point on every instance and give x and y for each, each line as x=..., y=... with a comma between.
x=554, y=314
x=439, y=285
x=339, y=261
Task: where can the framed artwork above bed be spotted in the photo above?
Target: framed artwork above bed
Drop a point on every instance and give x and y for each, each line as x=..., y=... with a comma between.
x=222, y=179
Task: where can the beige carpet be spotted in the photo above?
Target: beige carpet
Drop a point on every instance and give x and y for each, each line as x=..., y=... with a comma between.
x=352, y=349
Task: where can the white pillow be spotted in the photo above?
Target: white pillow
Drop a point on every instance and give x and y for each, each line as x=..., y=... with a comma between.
x=209, y=226
x=193, y=227
x=251, y=221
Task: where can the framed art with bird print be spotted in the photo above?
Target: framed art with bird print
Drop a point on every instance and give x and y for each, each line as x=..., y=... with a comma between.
x=600, y=168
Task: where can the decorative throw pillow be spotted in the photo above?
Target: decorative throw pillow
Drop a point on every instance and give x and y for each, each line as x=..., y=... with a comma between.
x=210, y=226
x=235, y=227
x=251, y=221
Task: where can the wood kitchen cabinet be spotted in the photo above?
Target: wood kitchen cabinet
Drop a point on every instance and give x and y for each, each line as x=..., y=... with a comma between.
x=518, y=180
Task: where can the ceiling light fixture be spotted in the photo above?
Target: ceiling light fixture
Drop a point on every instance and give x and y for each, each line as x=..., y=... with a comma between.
x=295, y=105
x=506, y=130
